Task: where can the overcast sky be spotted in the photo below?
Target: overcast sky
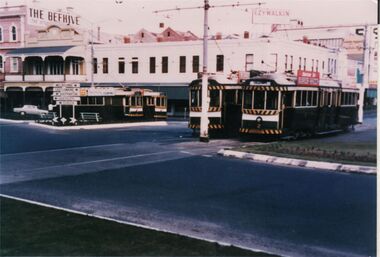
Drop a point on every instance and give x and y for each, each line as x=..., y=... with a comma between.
x=131, y=15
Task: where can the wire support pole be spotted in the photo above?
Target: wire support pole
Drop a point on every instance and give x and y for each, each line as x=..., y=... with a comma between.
x=204, y=137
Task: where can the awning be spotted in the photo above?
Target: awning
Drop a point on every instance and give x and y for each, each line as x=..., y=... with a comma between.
x=64, y=51
x=51, y=50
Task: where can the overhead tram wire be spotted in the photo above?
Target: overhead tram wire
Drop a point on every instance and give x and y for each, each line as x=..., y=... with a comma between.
x=204, y=119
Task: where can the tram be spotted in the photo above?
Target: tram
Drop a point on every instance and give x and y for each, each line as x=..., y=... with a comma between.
x=280, y=104
x=275, y=104
x=117, y=104
x=224, y=110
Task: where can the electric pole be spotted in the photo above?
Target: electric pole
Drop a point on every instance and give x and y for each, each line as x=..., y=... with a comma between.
x=204, y=137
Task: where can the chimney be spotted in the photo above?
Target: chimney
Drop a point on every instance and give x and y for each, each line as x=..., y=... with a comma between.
x=246, y=34
x=218, y=36
x=127, y=40
x=162, y=25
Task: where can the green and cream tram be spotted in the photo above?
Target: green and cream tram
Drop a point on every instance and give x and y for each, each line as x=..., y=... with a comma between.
x=275, y=104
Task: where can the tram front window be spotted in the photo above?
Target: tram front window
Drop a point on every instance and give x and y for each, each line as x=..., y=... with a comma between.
x=258, y=101
x=247, y=99
x=194, y=98
x=214, y=98
x=272, y=100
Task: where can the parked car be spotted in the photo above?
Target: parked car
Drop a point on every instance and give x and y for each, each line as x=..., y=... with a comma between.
x=29, y=109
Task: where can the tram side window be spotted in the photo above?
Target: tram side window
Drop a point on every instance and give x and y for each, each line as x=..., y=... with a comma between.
x=298, y=98
x=258, y=100
x=327, y=99
x=127, y=101
x=272, y=100
x=214, y=98
x=309, y=101
x=314, y=98
x=91, y=100
x=149, y=101
x=288, y=99
x=238, y=97
x=304, y=99
x=247, y=99
x=117, y=101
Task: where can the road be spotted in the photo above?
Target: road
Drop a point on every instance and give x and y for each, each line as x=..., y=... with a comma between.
x=163, y=178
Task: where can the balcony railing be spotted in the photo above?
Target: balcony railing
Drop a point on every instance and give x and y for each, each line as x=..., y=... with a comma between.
x=42, y=78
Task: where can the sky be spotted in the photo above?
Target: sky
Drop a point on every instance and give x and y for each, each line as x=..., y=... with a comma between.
x=131, y=15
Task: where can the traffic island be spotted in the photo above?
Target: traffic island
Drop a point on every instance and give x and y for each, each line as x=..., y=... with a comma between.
x=338, y=156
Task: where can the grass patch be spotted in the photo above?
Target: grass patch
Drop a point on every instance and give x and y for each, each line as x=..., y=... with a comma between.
x=360, y=153
x=29, y=230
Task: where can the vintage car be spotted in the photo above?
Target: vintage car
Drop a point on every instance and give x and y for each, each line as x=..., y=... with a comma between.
x=29, y=109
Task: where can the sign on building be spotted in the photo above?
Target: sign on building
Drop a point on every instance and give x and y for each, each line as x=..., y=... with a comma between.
x=270, y=16
x=43, y=17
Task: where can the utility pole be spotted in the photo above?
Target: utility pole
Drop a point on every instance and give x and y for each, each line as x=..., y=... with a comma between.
x=204, y=137
x=364, y=85
x=205, y=99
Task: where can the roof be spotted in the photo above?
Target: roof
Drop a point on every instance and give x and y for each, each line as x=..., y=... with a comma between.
x=40, y=50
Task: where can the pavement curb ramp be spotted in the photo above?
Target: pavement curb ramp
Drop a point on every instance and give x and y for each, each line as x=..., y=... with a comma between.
x=299, y=163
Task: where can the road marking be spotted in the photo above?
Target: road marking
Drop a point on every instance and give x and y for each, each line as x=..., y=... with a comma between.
x=222, y=243
x=96, y=161
x=60, y=149
x=186, y=152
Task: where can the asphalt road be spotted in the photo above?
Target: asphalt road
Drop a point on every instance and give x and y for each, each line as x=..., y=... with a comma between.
x=163, y=178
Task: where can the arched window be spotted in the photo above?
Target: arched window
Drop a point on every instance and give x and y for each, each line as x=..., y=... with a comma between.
x=13, y=33
x=1, y=34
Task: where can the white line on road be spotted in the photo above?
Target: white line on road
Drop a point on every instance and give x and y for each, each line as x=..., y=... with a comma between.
x=97, y=161
x=60, y=149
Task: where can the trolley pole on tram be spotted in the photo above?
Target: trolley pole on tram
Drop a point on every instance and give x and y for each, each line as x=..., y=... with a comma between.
x=205, y=100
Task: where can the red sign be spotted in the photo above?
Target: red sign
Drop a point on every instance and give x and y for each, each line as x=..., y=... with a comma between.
x=307, y=78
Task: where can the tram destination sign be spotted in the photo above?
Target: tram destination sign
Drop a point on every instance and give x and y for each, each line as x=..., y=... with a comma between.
x=308, y=78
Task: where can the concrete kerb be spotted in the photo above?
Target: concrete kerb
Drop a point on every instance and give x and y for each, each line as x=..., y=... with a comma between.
x=299, y=163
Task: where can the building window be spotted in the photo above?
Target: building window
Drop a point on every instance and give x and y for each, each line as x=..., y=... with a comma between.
x=105, y=65
x=168, y=34
x=182, y=64
x=121, y=65
x=317, y=65
x=329, y=66
x=152, y=64
x=299, y=63
x=1, y=63
x=323, y=66
x=165, y=64
x=220, y=63
x=142, y=34
x=75, y=67
x=334, y=66
x=304, y=63
x=248, y=62
x=1, y=34
x=291, y=62
x=135, y=65
x=195, y=63
x=13, y=34
x=14, y=64
x=286, y=62
x=312, y=64
x=95, y=65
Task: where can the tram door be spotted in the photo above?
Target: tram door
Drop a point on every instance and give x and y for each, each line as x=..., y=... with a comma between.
x=231, y=112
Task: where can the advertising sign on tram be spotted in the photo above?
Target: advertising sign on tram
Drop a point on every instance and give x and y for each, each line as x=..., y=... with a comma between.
x=308, y=78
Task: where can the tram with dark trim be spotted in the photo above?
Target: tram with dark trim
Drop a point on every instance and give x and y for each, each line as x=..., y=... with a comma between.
x=224, y=108
x=117, y=104
x=275, y=104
